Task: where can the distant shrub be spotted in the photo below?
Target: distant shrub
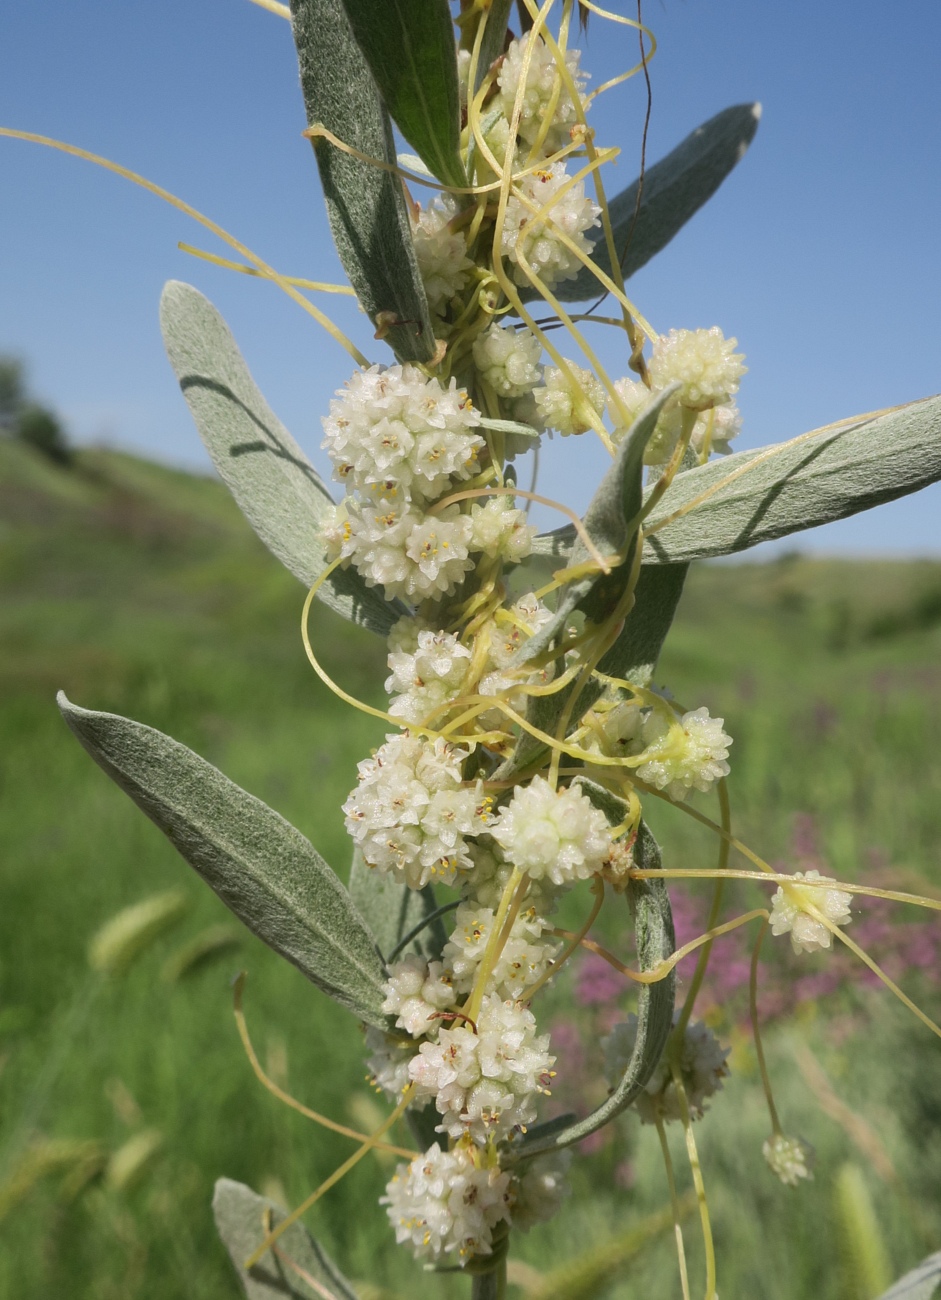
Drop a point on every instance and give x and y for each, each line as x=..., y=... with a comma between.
x=40, y=429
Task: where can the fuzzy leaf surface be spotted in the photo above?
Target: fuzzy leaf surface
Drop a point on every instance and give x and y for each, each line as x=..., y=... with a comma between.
x=276, y=487
x=757, y=496
x=409, y=46
x=673, y=190
x=365, y=205
x=392, y=910
x=241, y=1216
x=920, y=1284
x=262, y=868
x=653, y=931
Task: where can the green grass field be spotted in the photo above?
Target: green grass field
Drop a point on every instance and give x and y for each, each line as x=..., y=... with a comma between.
x=139, y=589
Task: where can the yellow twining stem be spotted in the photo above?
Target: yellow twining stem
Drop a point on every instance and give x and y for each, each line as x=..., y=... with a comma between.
x=510, y=901
x=274, y=7
x=238, y=990
x=698, y=1182
x=675, y=1206
x=756, y=1032
x=510, y=490
x=355, y=1158
x=784, y=878
x=876, y=970
x=267, y=271
x=662, y=969
x=713, y=918
x=321, y=286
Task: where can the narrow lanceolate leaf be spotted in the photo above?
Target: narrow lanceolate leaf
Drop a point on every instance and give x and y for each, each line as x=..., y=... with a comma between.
x=611, y=522
x=755, y=496
x=263, y=869
x=653, y=931
x=409, y=46
x=298, y=1269
x=392, y=911
x=365, y=204
x=494, y=38
x=278, y=490
x=921, y=1283
x=673, y=190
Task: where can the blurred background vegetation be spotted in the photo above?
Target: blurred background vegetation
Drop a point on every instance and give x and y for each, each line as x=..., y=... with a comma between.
x=124, y=1094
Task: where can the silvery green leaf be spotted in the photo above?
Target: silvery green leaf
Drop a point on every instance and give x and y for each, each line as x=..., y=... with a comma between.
x=244, y=1219
x=653, y=931
x=392, y=911
x=365, y=204
x=673, y=190
x=494, y=38
x=615, y=809
x=756, y=496
x=611, y=522
x=278, y=490
x=409, y=46
x=264, y=870
x=920, y=1284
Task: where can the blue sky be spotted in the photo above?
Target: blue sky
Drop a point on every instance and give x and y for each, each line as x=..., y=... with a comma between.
x=820, y=253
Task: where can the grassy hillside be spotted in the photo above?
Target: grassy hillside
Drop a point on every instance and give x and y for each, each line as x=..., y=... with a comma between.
x=139, y=589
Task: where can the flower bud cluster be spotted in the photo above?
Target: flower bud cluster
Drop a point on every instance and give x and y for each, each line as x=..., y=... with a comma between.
x=698, y=1057
x=677, y=753
x=797, y=909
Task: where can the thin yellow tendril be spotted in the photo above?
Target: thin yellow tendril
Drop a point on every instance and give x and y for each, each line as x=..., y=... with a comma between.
x=675, y=1206
x=698, y=1182
x=756, y=1032
x=288, y=1100
x=273, y=7
x=334, y=1178
x=268, y=272
x=321, y=286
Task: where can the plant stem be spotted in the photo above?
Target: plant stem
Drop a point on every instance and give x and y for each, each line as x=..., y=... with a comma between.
x=490, y=1286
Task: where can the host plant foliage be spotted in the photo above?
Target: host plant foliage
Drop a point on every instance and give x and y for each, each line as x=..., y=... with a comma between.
x=525, y=735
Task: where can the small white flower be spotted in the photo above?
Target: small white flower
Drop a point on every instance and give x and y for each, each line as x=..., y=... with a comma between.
x=408, y=553
x=790, y=914
x=498, y=528
x=441, y=253
x=788, y=1158
x=689, y=754
x=508, y=360
x=410, y=816
x=554, y=833
x=701, y=1064
x=483, y=886
x=428, y=676
x=545, y=92
x=415, y=992
x=396, y=426
x=448, y=1201
x=705, y=363
x=537, y=238
x=566, y=403
x=484, y=1079
x=540, y=1190
x=525, y=958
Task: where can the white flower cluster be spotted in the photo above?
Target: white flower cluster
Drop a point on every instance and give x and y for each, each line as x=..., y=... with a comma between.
x=484, y=1078
x=543, y=207
x=679, y=753
x=547, y=109
x=448, y=1202
x=558, y=834
x=427, y=676
x=566, y=401
x=409, y=815
x=416, y=992
x=441, y=252
x=794, y=905
x=525, y=958
x=700, y=1060
x=399, y=440
x=508, y=360
x=704, y=362
x=788, y=1158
